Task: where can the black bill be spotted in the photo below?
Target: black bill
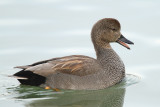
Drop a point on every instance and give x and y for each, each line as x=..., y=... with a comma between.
x=122, y=41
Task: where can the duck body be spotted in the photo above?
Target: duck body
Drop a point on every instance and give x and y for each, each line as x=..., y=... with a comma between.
x=95, y=78
x=77, y=71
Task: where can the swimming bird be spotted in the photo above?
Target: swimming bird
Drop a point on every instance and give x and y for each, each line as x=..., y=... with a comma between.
x=80, y=72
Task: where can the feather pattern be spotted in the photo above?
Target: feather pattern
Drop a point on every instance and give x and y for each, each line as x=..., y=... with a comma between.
x=81, y=72
x=75, y=65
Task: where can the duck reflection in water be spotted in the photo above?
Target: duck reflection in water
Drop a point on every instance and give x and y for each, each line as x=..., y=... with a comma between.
x=110, y=97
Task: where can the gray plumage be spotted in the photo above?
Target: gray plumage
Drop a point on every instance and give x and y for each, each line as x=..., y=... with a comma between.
x=83, y=72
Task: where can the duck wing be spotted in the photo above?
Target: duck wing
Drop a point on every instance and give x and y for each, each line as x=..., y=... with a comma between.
x=34, y=64
x=75, y=65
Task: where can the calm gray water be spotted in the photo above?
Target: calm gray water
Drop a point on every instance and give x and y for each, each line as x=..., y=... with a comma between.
x=34, y=30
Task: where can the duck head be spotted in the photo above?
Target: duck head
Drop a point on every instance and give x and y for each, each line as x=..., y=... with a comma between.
x=108, y=30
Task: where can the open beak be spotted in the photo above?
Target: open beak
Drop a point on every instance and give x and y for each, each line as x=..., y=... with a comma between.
x=122, y=41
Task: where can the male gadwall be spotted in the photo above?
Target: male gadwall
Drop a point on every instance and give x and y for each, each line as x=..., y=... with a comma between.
x=78, y=71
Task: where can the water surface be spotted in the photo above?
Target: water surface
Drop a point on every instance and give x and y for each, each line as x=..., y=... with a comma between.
x=35, y=30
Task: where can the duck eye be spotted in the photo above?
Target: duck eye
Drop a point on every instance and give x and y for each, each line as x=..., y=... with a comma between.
x=114, y=29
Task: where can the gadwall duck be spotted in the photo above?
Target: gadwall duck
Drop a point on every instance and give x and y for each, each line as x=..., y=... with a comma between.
x=81, y=72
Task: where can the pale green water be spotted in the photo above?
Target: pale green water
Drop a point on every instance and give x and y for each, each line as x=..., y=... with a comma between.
x=35, y=96
x=35, y=30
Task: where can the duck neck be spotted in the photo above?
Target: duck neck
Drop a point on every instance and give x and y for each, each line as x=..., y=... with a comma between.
x=107, y=57
x=111, y=63
x=102, y=52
